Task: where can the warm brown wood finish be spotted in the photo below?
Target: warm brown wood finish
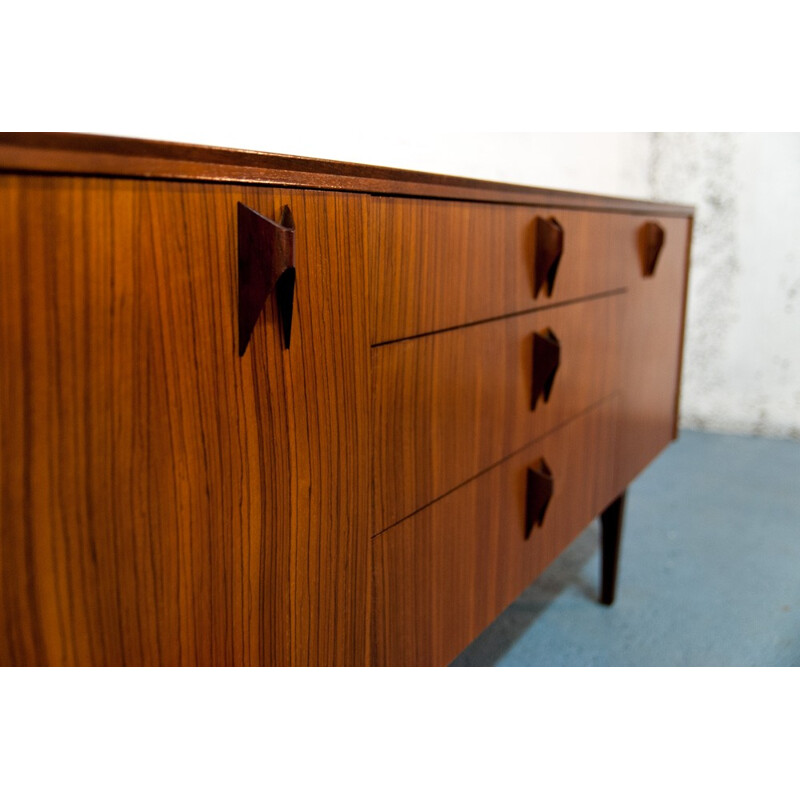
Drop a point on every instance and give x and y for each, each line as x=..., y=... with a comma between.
x=87, y=154
x=165, y=501
x=651, y=353
x=450, y=405
x=445, y=264
x=442, y=575
x=379, y=490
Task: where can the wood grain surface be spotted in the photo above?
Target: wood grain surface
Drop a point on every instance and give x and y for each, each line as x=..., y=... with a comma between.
x=651, y=353
x=442, y=575
x=450, y=405
x=443, y=264
x=87, y=154
x=165, y=501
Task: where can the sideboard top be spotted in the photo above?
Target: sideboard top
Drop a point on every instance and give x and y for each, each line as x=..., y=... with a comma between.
x=88, y=154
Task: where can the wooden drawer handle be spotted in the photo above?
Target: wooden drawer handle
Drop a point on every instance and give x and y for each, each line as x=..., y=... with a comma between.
x=548, y=248
x=266, y=262
x=539, y=492
x=546, y=358
x=651, y=240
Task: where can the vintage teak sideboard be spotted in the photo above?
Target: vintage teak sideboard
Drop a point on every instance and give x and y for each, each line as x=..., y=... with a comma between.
x=265, y=410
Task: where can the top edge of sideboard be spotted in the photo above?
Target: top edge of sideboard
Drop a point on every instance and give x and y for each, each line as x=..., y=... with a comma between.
x=95, y=155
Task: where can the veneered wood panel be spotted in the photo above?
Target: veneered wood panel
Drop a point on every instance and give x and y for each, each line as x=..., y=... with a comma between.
x=442, y=264
x=651, y=353
x=442, y=575
x=165, y=501
x=450, y=405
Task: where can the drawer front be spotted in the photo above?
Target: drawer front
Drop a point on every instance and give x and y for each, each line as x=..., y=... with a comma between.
x=441, y=576
x=450, y=405
x=651, y=352
x=441, y=264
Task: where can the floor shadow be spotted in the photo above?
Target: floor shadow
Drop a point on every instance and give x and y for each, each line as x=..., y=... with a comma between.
x=565, y=573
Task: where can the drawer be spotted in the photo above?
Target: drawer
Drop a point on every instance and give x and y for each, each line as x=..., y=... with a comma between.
x=441, y=264
x=442, y=575
x=450, y=405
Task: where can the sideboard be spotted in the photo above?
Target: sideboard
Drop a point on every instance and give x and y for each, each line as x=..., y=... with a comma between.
x=265, y=410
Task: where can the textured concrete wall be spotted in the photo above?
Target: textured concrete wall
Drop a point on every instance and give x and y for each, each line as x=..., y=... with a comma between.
x=742, y=352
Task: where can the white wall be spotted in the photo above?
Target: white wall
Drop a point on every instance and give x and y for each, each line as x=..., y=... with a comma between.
x=742, y=352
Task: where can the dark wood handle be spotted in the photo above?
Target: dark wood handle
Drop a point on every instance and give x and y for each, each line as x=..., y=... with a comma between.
x=546, y=358
x=651, y=240
x=266, y=263
x=549, y=245
x=539, y=492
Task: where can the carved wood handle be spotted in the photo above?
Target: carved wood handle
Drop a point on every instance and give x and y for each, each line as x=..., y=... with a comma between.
x=546, y=358
x=651, y=240
x=539, y=492
x=548, y=248
x=266, y=262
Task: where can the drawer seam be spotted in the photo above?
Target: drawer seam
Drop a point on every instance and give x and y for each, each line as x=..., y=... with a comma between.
x=544, y=307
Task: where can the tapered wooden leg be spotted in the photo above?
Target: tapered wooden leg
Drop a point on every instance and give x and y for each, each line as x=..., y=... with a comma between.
x=611, y=522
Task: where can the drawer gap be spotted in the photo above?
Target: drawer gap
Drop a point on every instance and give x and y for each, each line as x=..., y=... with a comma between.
x=511, y=315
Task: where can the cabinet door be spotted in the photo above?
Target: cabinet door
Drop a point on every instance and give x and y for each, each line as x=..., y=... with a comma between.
x=651, y=348
x=164, y=500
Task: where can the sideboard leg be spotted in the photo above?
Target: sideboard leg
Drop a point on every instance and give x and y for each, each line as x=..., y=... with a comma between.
x=611, y=523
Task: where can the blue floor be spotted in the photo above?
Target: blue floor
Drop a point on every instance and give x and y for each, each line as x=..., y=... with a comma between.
x=709, y=570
